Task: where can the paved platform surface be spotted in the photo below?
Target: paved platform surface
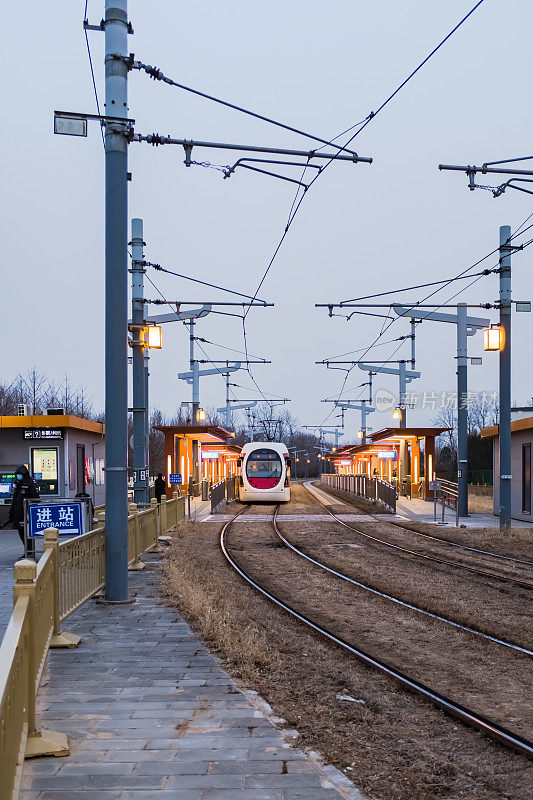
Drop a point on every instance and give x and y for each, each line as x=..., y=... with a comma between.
x=422, y=511
x=10, y=551
x=150, y=714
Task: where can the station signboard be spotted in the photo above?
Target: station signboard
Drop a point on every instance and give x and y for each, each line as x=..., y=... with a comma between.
x=66, y=516
x=43, y=433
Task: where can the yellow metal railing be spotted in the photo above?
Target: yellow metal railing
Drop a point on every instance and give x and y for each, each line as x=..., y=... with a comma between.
x=45, y=594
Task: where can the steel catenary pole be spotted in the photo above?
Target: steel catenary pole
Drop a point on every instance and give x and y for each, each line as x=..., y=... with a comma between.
x=116, y=299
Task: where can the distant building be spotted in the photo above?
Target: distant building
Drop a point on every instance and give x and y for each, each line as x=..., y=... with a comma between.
x=64, y=454
x=521, y=442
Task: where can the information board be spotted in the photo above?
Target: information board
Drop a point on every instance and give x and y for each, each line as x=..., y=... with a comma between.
x=175, y=478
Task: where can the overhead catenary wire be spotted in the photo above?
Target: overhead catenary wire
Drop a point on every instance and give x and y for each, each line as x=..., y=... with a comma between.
x=167, y=271
x=158, y=75
x=371, y=116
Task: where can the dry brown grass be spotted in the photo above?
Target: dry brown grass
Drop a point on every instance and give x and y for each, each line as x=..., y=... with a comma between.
x=479, y=503
x=223, y=623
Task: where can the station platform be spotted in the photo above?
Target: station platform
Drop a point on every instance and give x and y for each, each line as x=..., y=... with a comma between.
x=150, y=713
x=423, y=511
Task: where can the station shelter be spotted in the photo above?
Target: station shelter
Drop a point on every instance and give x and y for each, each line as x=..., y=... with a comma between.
x=521, y=463
x=404, y=456
x=63, y=453
x=198, y=452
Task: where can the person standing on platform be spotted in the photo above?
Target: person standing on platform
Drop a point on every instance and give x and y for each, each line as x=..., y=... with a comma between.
x=25, y=489
x=160, y=487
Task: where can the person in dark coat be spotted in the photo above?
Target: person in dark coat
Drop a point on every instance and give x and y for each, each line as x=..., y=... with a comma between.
x=25, y=489
x=160, y=487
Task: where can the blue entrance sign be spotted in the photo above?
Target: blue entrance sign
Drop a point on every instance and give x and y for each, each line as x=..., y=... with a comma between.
x=66, y=517
x=175, y=478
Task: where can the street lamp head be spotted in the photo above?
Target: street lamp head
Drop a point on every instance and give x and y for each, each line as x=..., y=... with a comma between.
x=153, y=337
x=200, y=415
x=397, y=413
x=360, y=434
x=493, y=338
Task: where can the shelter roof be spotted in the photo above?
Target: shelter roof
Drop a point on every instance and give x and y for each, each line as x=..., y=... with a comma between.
x=203, y=433
x=52, y=421
x=395, y=434
x=525, y=424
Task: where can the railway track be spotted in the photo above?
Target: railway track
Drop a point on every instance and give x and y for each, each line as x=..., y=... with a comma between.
x=466, y=715
x=415, y=554
x=439, y=539
x=393, y=599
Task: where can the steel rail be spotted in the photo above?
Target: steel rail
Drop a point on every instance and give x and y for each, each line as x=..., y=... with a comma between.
x=397, y=524
x=493, y=575
x=454, y=544
x=396, y=600
x=472, y=718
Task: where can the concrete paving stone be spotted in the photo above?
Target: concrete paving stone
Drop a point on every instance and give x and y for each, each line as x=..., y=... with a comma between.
x=192, y=740
x=163, y=794
x=208, y=754
x=282, y=781
x=66, y=783
x=245, y=767
x=244, y=794
x=125, y=782
x=53, y=794
x=162, y=713
x=126, y=756
x=107, y=743
x=311, y=794
x=46, y=767
x=205, y=782
x=286, y=753
x=225, y=741
x=104, y=768
x=171, y=768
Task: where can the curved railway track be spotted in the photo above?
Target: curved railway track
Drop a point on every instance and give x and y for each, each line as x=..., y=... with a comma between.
x=439, y=539
x=466, y=715
x=393, y=599
x=414, y=553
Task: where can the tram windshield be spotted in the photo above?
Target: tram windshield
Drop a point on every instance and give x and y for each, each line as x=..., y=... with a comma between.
x=263, y=464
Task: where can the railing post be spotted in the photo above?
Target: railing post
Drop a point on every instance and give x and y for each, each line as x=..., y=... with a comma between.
x=59, y=638
x=136, y=564
x=163, y=517
x=155, y=507
x=39, y=742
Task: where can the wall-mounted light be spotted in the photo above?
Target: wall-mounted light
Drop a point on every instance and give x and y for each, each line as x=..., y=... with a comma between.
x=493, y=338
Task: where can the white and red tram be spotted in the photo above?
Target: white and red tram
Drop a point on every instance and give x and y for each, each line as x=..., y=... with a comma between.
x=265, y=473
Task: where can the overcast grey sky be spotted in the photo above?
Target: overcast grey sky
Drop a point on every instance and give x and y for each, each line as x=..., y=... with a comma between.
x=362, y=229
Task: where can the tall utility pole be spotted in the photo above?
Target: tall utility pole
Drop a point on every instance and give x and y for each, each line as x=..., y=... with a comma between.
x=462, y=411
x=195, y=373
x=466, y=326
x=116, y=301
x=505, y=378
x=140, y=484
